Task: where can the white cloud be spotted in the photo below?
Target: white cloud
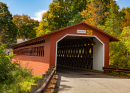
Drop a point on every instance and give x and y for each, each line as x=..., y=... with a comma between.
x=116, y=0
x=38, y=15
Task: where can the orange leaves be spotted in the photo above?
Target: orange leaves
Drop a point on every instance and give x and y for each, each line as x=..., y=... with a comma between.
x=126, y=21
x=23, y=19
x=51, y=16
x=89, y=15
x=45, y=15
x=93, y=14
x=25, y=25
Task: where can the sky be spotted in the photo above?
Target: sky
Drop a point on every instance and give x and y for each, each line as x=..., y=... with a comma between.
x=35, y=8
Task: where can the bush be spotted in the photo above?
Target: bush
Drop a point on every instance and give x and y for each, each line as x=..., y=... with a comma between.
x=121, y=74
x=21, y=82
x=118, y=56
x=6, y=64
x=13, y=78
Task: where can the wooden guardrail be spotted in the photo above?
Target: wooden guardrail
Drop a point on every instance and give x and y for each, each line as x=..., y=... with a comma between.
x=116, y=69
x=48, y=81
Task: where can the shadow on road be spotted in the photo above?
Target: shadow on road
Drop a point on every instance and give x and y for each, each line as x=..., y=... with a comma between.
x=63, y=86
x=73, y=81
x=82, y=74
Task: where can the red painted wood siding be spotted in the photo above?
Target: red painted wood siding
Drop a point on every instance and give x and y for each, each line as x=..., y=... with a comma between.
x=38, y=64
x=35, y=63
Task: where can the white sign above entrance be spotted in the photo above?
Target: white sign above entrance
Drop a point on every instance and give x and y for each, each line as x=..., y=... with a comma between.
x=81, y=31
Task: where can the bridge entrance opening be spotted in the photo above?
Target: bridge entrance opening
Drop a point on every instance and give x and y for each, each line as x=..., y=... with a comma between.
x=82, y=52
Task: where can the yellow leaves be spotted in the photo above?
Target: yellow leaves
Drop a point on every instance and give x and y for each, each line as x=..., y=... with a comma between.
x=42, y=32
x=38, y=33
x=52, y=26
x=112, y=33
x=51, y=16
x=43, y=28
x=45, y=15
x=47, y=31
x=89, y=32
x=125, y=37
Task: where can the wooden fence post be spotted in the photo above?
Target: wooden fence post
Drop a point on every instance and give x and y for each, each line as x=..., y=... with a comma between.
x=41, y=81
x=33, y=88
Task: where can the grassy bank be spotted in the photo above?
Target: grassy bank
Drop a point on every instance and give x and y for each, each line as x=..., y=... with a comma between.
x=121, y=74
x=20, y=81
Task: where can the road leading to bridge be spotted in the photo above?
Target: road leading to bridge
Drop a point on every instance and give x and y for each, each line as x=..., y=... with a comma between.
x=87, y=82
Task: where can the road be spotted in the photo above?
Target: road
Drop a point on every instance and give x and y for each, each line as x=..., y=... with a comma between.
x=88, y=82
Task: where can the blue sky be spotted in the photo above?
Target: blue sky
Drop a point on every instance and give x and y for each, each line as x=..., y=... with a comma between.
x=35, y=8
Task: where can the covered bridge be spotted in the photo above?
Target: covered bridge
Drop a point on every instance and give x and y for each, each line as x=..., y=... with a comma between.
x=78, y=46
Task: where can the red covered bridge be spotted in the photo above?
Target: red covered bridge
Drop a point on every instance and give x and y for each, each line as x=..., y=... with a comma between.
x=78, y=46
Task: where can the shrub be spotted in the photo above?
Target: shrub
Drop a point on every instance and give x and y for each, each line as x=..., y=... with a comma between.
x=22, y=79
x=6, y=64
x=13, y=78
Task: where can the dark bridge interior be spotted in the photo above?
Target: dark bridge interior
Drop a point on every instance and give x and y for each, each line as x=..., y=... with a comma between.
x=76, y=52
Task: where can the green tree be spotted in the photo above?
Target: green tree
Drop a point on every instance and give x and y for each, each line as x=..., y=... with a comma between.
x=73, y=8
x=25, y=25
x=55, y=18
x=112, y=24
x=117, y=55
x=119, y=50
x=6, y=64
x=10, y=34
x=61, y=13
x=5, y=16
x=42, y=28
x=8, y=30
x=125, y=37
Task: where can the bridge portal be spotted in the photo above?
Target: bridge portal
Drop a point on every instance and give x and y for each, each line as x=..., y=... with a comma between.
x=79, y=51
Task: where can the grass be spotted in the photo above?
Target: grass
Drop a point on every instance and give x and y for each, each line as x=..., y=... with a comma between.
x=121, y=74
x=19, y=82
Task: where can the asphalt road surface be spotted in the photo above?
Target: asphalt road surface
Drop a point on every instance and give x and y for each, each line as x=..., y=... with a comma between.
x=88, y=82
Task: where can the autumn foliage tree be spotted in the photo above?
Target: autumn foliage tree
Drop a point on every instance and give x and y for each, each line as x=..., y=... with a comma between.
x=55, y=18
x=94, y=13
x=25, y=25
x=126, y=18
x=61, y=13
x=103, y=14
